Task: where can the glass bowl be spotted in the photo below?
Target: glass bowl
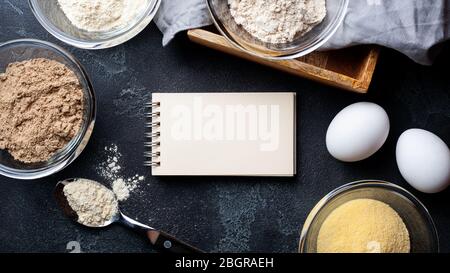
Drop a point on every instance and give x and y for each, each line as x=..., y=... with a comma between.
x=25, y=49
x=53, y=19
x=422, y=231
x=300, y=46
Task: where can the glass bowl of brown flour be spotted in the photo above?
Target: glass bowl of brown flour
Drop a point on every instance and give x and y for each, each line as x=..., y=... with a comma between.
x=47, y=109
x=277, y=30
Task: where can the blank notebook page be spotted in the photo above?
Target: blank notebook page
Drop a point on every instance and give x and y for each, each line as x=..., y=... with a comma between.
x=248, y=134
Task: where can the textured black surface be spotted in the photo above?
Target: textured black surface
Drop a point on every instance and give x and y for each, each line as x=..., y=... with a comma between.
x=216, y=214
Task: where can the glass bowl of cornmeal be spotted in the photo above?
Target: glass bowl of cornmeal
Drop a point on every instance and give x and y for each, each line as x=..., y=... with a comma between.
x=369, y=217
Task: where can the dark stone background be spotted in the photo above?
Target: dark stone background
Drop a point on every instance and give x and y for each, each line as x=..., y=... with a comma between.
x=216, y=214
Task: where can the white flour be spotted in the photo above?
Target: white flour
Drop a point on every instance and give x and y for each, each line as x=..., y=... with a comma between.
x=120, y=189
x=278, y=21
x=93, y=203
x=122, y=186
x=101, y=15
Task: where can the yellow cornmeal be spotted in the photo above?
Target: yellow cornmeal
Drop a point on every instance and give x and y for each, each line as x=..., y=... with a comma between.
x=363, y=226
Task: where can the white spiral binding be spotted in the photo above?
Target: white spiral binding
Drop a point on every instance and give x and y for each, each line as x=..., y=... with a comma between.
x=153, y=135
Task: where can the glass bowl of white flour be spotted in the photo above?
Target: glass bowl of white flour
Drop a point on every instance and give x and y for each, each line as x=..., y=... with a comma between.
x=283, y=29
x=94, y=24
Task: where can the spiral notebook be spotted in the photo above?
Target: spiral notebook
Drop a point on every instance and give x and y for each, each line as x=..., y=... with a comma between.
x=227, y=134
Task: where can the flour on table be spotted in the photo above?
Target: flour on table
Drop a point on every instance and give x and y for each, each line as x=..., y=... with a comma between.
x=111, y=169
x=122, y=187
x=278, y=21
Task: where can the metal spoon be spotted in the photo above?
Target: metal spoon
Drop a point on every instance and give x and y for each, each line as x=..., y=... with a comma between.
x=159, y=239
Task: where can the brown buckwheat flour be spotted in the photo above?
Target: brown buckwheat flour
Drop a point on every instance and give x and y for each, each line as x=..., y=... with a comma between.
x=41, y=109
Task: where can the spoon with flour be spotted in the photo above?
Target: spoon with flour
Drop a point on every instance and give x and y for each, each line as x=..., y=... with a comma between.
x=94, y=205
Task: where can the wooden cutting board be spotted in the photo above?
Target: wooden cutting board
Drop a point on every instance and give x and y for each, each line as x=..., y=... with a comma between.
x=350, y=69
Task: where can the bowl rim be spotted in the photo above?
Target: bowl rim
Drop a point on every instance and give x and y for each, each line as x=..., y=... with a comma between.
x=357, y=184
x=114, y=40
x=299, y=54
x=78, y=143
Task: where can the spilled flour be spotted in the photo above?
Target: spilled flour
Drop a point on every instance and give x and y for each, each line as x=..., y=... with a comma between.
x=123, y=187
x=111, y=169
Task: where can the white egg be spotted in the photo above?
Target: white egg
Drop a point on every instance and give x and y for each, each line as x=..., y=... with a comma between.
x=424, y=160
x=357, y=132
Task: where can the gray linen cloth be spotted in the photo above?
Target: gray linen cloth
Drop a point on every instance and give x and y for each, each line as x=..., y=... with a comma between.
x=416, y=28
